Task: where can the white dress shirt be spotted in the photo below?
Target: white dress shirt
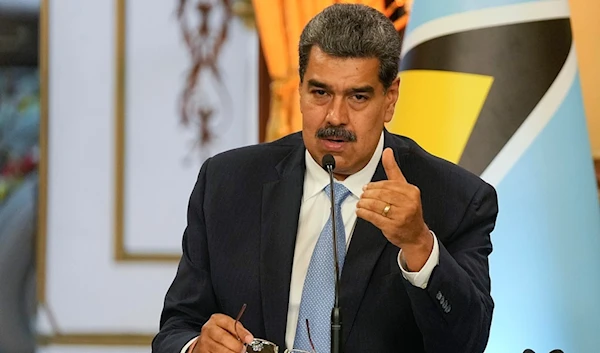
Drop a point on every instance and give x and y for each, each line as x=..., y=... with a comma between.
x=314, y=212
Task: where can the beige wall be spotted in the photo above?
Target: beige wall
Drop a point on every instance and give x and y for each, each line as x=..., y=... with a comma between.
x=585, y=16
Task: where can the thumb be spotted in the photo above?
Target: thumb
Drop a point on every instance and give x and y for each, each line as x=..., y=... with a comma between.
x=236, y=329
x=392, y=170
x=244, y=334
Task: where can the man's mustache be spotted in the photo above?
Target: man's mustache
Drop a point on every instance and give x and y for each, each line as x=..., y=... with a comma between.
x=336, y=133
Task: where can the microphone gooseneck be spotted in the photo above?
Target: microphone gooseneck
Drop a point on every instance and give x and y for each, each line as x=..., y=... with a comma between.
x=328, y=164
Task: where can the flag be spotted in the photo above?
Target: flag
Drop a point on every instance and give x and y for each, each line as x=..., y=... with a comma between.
x=493, y=86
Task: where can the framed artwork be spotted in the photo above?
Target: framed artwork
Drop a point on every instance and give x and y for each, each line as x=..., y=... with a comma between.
x=135, y=95
x=186, y=89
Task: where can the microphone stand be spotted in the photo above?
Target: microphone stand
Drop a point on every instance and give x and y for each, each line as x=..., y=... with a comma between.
x=336, y=315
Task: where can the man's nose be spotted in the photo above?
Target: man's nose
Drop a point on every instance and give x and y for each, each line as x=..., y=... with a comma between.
x=337, y=114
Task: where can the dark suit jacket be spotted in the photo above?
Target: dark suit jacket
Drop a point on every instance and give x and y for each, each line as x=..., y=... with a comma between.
x=238, y=248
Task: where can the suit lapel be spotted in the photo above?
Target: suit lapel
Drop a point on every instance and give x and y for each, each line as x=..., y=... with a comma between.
x=365, y=248
x=281, y=202
x=364, y=251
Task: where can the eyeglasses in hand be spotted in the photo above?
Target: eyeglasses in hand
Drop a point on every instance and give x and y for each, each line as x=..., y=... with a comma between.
x=260, y=345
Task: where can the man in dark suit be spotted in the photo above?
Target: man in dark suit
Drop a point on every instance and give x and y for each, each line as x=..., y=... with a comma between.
x=416, y=228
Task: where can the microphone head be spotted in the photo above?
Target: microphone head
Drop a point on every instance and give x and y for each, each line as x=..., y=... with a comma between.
x=327, y=161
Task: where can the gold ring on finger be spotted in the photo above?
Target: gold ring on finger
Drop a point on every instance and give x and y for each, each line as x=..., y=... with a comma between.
x=386, y=209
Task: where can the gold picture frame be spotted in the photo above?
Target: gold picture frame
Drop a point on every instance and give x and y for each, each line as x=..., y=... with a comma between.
x=65, y=338
x=120, y=252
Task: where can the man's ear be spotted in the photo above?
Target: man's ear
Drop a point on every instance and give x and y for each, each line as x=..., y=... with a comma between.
x=300, y=96
x=391, y=97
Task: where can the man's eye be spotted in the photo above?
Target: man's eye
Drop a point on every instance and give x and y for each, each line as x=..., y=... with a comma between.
x=319, y=92
x=360, y=97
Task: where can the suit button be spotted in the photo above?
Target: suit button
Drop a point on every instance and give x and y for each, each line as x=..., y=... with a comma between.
x=447, y=309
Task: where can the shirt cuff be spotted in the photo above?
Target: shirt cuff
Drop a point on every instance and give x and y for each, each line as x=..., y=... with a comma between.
x=421, y=278
x=189, y=345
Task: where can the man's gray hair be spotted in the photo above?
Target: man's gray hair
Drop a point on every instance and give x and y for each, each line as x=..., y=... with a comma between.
x=353, y=31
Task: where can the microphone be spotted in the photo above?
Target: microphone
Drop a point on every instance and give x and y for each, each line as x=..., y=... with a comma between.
x=328, y=163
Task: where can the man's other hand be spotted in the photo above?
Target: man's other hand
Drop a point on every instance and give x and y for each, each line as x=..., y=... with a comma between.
x=218, y=336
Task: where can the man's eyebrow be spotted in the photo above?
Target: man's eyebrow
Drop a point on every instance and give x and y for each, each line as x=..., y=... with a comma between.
x=361, y=89
x=314, y=83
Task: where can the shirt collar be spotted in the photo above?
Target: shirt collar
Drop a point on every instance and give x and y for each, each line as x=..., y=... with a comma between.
x=317, y=178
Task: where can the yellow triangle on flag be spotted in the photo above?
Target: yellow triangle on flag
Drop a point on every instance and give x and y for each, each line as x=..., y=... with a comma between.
x=438, y=109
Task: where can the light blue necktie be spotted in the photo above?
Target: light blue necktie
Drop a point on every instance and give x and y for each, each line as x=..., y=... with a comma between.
x=319, y=285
